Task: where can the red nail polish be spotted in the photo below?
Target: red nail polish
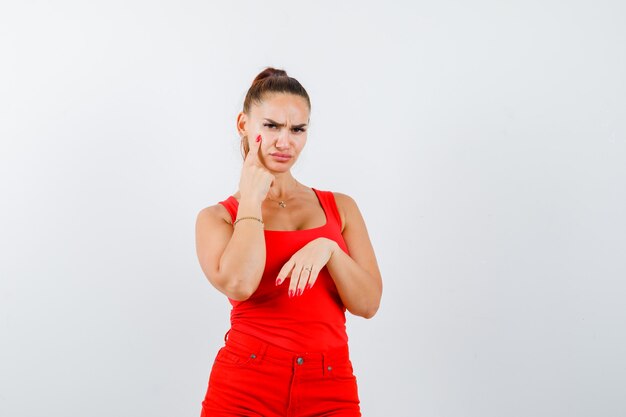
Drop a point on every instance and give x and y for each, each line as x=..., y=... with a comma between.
x=258, y=138
x=298, y=292
x=308, y=286
x=277, y=281
x=290, y=293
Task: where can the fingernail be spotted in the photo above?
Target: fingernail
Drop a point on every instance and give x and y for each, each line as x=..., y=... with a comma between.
x=308, y=286
x=258, y=138
x=278, y=281
x=299, y=292
x=290, y=293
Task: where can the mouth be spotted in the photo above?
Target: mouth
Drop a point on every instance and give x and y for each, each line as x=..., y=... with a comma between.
x=281, y=156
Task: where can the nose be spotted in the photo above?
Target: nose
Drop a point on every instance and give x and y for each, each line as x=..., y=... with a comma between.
x=282, y=141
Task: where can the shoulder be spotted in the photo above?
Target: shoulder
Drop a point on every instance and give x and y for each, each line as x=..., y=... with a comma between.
x=216, y=213
x=346, y=206
x=343, y=199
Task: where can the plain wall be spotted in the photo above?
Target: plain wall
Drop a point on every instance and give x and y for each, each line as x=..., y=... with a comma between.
x=484, y=142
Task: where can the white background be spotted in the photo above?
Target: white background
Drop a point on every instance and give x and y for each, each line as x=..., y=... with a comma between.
x=484, y=141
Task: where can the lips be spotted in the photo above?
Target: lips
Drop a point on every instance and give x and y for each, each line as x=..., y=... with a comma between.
x=280, y=157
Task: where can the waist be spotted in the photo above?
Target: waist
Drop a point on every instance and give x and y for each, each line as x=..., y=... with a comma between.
x=240, y=339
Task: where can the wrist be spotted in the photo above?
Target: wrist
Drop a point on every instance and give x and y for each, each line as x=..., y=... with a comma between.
x=250, y=201
x=334, y=246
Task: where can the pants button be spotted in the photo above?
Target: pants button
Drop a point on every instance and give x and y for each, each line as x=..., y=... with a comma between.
x=300, y=361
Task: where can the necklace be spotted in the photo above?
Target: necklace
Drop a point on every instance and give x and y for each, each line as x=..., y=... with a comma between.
x=282, y=203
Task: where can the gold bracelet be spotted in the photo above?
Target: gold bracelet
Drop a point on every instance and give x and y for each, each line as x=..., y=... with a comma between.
x=242, y=218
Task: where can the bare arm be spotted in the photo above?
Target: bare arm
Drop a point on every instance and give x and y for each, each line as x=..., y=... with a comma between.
x=232, y=259
x=357, y=275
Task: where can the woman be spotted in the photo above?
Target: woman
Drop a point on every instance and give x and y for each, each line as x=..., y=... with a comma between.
x=291, y=259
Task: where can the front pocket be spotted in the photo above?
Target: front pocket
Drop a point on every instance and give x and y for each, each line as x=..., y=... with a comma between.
x=230, y=356
x=341, y=370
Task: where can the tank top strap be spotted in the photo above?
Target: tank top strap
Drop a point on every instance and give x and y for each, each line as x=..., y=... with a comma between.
x=231, y=205
x=327, y=199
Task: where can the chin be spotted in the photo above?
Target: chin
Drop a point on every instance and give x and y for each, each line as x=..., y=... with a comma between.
x=280, y=167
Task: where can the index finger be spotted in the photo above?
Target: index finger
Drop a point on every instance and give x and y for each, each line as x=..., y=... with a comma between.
x=253, y=153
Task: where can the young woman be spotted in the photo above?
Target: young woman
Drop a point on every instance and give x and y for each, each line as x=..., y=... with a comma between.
x=291, y=259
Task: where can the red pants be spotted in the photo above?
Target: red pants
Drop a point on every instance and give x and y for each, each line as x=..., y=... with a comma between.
x=253, y=378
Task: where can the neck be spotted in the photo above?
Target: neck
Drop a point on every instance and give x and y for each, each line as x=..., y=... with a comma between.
x=283, y=187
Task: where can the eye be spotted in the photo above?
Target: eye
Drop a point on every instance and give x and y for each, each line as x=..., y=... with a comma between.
x=269, y=124
x=299, y=129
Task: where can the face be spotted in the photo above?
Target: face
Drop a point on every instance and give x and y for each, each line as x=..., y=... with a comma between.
x=282, y=121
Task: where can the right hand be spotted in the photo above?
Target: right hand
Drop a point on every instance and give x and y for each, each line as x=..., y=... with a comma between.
x=255, y=180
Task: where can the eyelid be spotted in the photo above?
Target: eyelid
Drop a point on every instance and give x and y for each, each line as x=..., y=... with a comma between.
x=295, y=128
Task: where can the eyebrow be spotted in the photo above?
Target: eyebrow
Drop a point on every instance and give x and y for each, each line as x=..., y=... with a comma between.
x=282, y=124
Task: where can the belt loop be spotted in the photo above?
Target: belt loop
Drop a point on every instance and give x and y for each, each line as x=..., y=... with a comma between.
x=226, y=335
x=324, y=370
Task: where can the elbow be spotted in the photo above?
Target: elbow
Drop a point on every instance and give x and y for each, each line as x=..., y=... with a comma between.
x=367, y=312
x=238, y=290
x=370, y=309
x=238, y=296
x=233, y=286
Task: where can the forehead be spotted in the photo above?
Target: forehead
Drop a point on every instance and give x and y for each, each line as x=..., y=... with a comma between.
x=282, y=106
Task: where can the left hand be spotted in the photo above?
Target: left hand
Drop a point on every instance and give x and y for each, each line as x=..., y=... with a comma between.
x=314, y=256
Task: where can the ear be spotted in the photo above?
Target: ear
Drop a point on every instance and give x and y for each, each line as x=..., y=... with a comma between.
x=242, y=119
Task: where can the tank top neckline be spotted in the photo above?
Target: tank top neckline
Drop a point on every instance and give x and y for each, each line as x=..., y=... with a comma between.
x=300, y=230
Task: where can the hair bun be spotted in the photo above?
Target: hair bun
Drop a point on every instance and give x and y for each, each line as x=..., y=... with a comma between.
x=270, y=72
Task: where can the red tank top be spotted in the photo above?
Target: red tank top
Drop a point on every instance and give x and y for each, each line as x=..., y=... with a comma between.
x=313, y=321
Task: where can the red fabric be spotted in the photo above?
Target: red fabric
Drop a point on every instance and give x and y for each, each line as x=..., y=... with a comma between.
x=312, y=322
x=253, y=378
